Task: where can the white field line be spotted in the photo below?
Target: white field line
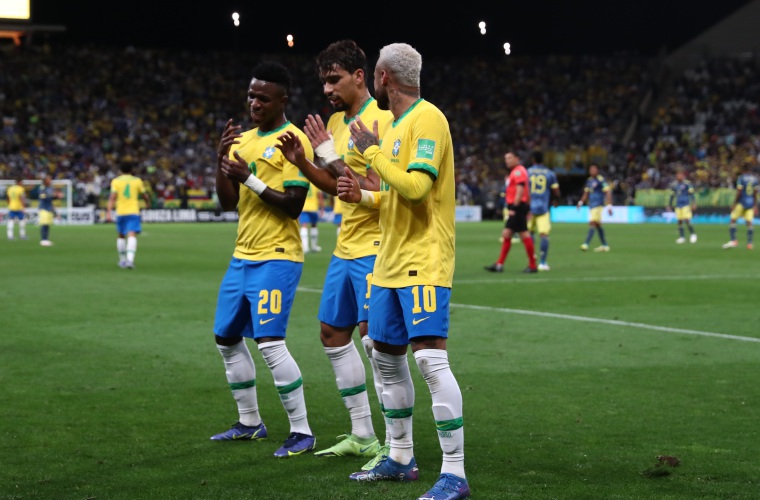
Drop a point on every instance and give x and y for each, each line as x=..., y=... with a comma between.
x=586, y=319
x=612, y=278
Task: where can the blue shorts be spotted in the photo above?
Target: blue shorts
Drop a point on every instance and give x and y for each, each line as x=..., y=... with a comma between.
x=337, y=218
x=345, y=295
x=255, y=298
x=397, y=315
x=310, y=218
x=16, y=214
x=128, y=223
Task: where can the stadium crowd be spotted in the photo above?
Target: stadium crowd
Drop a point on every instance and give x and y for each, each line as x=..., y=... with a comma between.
x=77, y=112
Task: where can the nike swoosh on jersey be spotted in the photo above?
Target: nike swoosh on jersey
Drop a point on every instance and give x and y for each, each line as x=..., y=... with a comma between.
x=265, y=321
x=418, y=321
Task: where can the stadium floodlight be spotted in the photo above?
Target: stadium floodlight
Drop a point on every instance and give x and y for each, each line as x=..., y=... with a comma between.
x=289, y=38
x=236, y=19
x=482, y=27
x=507, y=48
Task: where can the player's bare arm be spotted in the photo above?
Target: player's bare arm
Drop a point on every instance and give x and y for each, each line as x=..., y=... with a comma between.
x=348, y=187
x=362, y=136
x=324, y=148
x=292, y=148
x=227, y=189
x=290, y=201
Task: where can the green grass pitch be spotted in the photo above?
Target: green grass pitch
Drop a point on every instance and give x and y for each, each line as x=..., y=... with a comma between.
x=574, y=380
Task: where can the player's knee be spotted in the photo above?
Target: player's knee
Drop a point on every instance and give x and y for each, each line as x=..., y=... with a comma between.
x=334, y=337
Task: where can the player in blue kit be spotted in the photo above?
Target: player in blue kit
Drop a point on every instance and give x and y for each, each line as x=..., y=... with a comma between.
x=598, y=193
x=685, y=205
x=544, y=190
x=46, y=209
x=745, y=206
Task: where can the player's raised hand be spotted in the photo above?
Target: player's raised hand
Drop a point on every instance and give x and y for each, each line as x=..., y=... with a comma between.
x=235, y=170
x=230, y=136
x=348, y=187
x=362, y=136
x=291, y=147
x=315, y=130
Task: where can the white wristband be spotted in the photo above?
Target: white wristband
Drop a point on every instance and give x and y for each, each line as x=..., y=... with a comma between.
x=368, y=198
x=326, y=151
x=608, y=207
x=255, y=184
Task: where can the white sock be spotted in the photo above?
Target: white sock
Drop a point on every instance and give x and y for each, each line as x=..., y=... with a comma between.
x=241, y=375
x=131, y=248
x=10, y=228
x=287, y=380
x=352, y=384
x=447, y=407
x=305, y=238
x=22, y=228
x=121, y=247
x=314, y=235
x=377, y=379
x=398, y=400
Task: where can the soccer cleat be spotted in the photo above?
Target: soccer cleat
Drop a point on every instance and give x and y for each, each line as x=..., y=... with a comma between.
x=544, y=267
x=494, y=268
x=130, y=265
x=296, y=444
x=530, y=270
x=46, y=243
x=240, y=432
x=388, y=470
x=681, y=240
x=602, y=248
x=382, y=454
x=750, y=246
x=316, y=249
x=731, y=244
x=122, y=264
x=448, y=487
x=584, y=247
x=349, y=446
x=693, y=238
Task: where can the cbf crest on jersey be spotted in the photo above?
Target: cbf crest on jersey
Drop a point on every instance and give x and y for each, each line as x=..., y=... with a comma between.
x=425, y=149
x=269, y=152
x=350, y=143
x=396, y=146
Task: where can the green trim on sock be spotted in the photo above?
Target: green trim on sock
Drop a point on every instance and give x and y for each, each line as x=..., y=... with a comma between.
x=285, y=389
x=449, y=425
x=398, y=413
x=353, y=391
x=235, y=386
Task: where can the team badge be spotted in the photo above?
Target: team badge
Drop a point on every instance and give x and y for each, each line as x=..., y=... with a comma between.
x=350, y=143
x=269, y=152
x=425, y=149
x=396, y=147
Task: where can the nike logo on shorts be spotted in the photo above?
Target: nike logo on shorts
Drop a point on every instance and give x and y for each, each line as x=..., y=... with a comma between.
x=418, y=321
x=265, y=321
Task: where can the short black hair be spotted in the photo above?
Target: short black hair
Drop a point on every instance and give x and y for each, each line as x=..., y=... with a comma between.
x=538, y=157
x=273, y=72
x=344, y=54
x=127, y=167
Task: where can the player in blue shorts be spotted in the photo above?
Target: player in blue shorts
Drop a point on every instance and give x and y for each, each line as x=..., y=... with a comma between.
x=345, y=293
x=411, y=284
x=682, y=193
x=543, y=184
x=126, y=191
x=257, y=292
x=745, y=206
x=46, y=209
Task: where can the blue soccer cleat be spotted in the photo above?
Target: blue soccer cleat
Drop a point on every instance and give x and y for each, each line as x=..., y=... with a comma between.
x=296, y=444
x=388, y=470
x=240, y=432
x=448, y=487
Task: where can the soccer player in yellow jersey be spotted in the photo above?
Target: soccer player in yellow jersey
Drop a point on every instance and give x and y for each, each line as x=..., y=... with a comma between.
x=126, y=192
x=16, y=195
x=257, y=292
x=313, y=208
x=411, y=284
x=342, y=68
x=337, y=207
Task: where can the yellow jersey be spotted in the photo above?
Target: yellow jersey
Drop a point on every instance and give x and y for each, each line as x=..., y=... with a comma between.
x=417, y=247
x=360, y=227
x=312, y=199
x=129, y=190
x=265, y=232
x=16, y=196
